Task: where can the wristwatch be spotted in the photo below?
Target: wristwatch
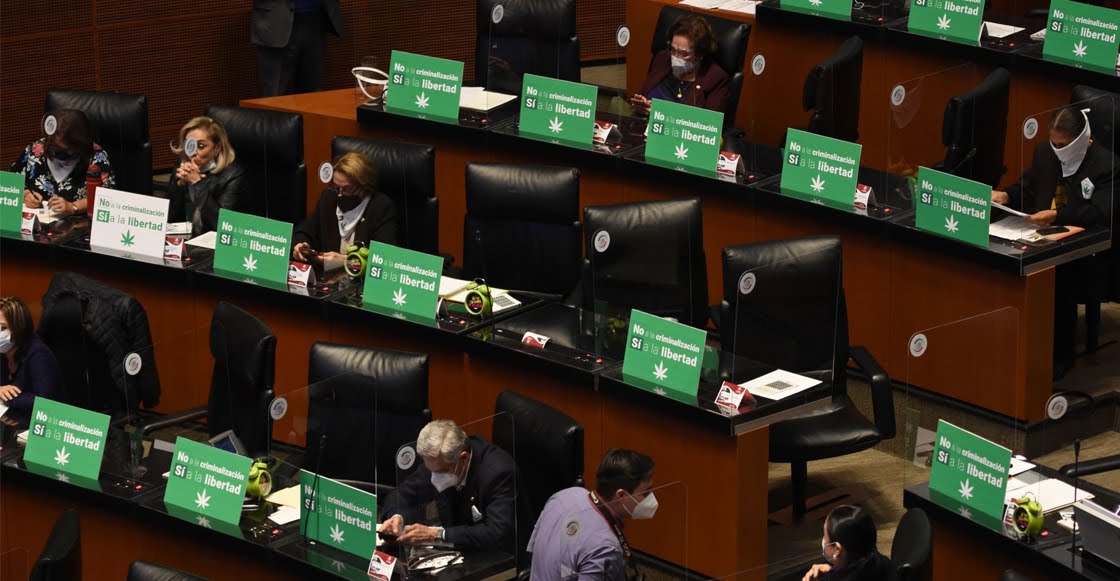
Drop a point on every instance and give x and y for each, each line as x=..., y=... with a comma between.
x=441, y=533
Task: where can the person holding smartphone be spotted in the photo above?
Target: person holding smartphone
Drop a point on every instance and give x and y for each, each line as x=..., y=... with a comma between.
x=685, y=71
x=208, y=176
x=56, y=167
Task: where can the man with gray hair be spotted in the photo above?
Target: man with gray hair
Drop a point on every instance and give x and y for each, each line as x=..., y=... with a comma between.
x=472, y=483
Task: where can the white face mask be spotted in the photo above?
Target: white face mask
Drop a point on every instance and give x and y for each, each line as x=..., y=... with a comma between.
x=681, y=67
x=6, y=344
x=645, y=509
x=444, y=480
x=210, y=166
x=1073, y=154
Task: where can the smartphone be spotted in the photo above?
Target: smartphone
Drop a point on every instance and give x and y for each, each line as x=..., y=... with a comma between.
x=1052, y=230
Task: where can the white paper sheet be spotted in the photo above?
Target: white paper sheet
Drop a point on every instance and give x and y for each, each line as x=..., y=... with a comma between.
x=1013, y=228
x=1019, y=466
x=44, y=214
x=206, y=240
x=455, y=290
x=997, y=30
x=284, y=515
x=705, y=4
x=779, y=384
x=477, y=99
x=741, y=6
x=3, y=410
x=288, y=497
x=178, y=228
x=1051, y=493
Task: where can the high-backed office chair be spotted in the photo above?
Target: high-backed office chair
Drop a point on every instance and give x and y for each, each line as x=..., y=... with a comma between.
x=974, y=130
x=800, y=302
x=364, y=405
x=61, y=559
x=120, y=125
x=145, y=571
x=831, y=92
x=647, y=256
x=913, y=542
x=533, y=36
x=244, y=352
x=522, y=228
x=406, y=172
x=269, y=147
x=732, y=37
x=96, y=327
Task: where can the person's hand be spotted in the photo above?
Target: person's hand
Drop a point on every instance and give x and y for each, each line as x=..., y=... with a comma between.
x=393, y=525
x=60, y=207
x=32, y=199
x=188, y=173
x=302, y=252
x=8, y=392
x=1000, y=197
x=419, y=534
x=640, y=103
x=331, y=257
x=1043, y=218
x=816, y=571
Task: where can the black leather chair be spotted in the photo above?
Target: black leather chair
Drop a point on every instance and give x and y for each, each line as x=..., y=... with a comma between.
x=653, y=259
x=61, y=559
x=407, y=174
x=913, y=542
x=522, y=228
x=801, y=305
x=732, y=37
x=145, y=571
x=244, y=352
x=974, y=130
x=120, y=126
x=269, y=147
x=533, y=36
x=364, y=404
x=831, y=92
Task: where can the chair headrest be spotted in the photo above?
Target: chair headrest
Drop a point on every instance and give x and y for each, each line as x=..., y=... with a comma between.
x=542, y=20
x=537, y=193
x=117, y=118
x=849, y=54
x=401, y=167
x=261, y=137
x=349, y=376
x=1103, y=107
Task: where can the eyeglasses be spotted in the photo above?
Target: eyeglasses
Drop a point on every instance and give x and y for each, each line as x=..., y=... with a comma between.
x=347, y=191
x=679, y=52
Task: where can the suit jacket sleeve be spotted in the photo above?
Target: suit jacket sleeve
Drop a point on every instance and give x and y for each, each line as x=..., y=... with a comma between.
x=409, y=498
x=309, y=229
x=220, y=192
x=720, y=94
x=383, y=221
x=497, y=525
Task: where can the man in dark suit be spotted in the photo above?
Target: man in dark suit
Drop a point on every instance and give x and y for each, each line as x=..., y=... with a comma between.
x=472, y=483
x=290, y=35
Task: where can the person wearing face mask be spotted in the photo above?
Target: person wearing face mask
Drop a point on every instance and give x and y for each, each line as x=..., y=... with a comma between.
x=28, y=368
x=580, y=533
x=472, y=483
x=848, y=547
x=351, y=211
x=1070, y=182
x=56, y=168
x=685, y=71
x=208, y=177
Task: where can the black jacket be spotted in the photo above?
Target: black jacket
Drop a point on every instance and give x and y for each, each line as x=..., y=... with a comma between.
x=1035, y=190
x=271, y=23
x=875, y=567
x=320, y=228
x=226, y=189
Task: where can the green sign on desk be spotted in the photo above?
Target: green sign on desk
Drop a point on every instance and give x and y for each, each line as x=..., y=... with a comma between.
x=423, y=86
x=1082, y=35
x=955, y=20
x=402, y=281
x=970, y=471
x=11, y=203
x=684, y=138
x=66, y=440
x=557, y=111
x=207, y=481
x=663, y=356
x=337, y=515
x=953, y=207
x=836, y=9
x=820, y=169
x=252, y=248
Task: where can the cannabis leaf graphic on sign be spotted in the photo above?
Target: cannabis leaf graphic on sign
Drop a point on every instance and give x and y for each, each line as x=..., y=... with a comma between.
x=818, y=184
x=681, y=152
x=944, y=23
x=127, y=239
x=202, y=500
x=1079, y=49
x=556, y=125
x=61, y=456
x=203, y=521
x=61, y=477
x=965, y=490
x=399, y=297
x=336, y=534
x=249, y=263
x=660, y=371
x=951, y=224
x=422, y=101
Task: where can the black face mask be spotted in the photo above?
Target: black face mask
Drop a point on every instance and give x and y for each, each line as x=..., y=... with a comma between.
x=60, y=154
x=348, y=202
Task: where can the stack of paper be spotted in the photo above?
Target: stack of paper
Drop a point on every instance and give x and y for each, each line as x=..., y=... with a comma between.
x=743, y=6
x=1051, y=493
x=206, y=240
x=1013, y=228
x=996, y=30
x=779, y=384
x=479, y=99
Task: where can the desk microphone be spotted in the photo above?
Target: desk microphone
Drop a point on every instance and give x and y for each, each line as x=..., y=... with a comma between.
x=314, y=486
x=1076, y=478
x=964, y=160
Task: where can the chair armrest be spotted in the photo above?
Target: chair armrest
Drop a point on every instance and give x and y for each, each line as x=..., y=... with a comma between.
x=175, y=419
x=882, y=399
x=1091, y=467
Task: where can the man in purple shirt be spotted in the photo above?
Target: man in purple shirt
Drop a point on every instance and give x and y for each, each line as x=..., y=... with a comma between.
x=579, y=533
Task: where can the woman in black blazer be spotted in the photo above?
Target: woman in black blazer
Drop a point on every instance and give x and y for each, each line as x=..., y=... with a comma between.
x=208, y=177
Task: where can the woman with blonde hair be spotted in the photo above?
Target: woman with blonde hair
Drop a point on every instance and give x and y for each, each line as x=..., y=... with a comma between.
x=208, y=177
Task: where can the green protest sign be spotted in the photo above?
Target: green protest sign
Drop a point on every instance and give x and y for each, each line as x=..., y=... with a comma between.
x=955, y=20
x=663, y=356
x=207, y=481
x=67, y=440
x=969, y=471
x=836, y=9
x=252, y=248
x=820, y=169
x=11, y=203
x=953, y=207
x=423, y=86
x=402, y=281
x=337, y=515
x=557, y=111
x=684, y=138
x=202, y=520
x=1082, y=35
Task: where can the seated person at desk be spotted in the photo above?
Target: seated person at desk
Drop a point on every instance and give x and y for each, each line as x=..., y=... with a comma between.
x=1070, y=182
x=849, y=547
x=599, y=550
x=685, y=71
x=472, y=483
x=27, y=366
x=56, y=167
x=208, y=176
x=351, y=211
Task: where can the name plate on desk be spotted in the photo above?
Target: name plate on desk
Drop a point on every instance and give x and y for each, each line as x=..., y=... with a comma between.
x=337, y=515
x=252, y=248
x=955, y=20
x=969, y=473
x=663, y=356
x=65, y=441
x=820, y=169
x=836, y=9
x=1083, y=36
x=684, y=138
x=953, y=207
x=207, y=481
x=128, y=224
x=557, y=111
x=423, y=86
x=403, y=281
x=11, y=204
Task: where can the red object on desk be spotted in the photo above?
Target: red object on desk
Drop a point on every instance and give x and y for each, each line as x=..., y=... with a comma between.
x=91, y=192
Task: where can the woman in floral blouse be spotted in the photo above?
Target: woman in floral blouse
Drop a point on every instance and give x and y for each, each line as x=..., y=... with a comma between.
x=55, y=168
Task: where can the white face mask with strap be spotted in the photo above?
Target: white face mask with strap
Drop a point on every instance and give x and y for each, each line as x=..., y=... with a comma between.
x=1073, y=154
x=6, y=344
